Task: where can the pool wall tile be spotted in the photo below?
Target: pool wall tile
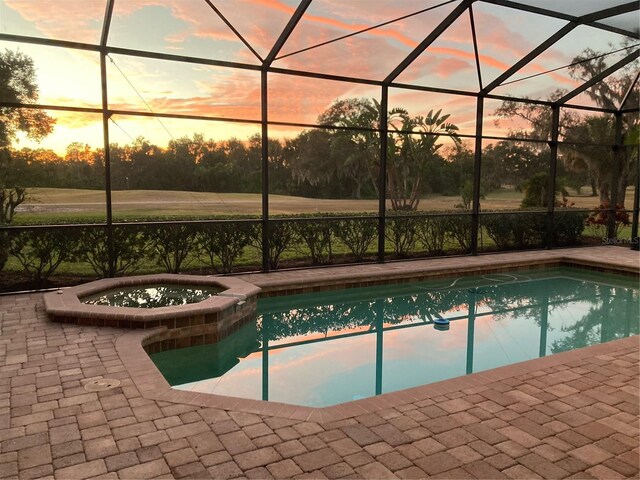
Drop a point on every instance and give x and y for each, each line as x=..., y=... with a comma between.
x=182, y=322
x=168, y=322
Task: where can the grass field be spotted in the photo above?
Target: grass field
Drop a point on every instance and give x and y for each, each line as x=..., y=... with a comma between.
x=58, y=203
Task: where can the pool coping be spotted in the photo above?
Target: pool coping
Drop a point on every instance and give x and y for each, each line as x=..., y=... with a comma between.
x=410, y=271
x=152, y=384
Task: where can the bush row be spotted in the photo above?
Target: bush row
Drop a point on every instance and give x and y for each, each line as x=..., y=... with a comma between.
x=220, y=245
x=530, y=230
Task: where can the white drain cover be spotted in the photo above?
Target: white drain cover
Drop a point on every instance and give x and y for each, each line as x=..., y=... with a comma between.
x=102, y=384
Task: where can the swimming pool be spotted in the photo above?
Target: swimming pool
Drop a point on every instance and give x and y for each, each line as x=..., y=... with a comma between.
x=326, y=348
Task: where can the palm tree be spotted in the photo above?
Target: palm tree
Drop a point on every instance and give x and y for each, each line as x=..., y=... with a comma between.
x=354, y=148
x=412, y=146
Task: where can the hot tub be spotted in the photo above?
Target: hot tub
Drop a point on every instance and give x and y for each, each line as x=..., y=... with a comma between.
x=192, y=309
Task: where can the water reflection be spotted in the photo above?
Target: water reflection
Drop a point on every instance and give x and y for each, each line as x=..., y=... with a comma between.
x=332, y=347
x=152, y=296
x=208, y=361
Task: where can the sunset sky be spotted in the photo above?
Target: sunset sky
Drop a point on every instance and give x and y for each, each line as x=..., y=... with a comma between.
x=190, y=27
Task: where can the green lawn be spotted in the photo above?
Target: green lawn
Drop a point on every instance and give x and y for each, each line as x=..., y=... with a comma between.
x=54, y=205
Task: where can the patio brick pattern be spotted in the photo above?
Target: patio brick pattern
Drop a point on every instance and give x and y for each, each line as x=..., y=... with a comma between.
x=577, y=418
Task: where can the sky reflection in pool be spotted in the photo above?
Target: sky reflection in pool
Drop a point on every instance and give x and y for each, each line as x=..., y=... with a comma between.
x=326, y=348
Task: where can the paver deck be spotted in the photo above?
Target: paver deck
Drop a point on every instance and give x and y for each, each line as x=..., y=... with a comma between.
x=574, y=417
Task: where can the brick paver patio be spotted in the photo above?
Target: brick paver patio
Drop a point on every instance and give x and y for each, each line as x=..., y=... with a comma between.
x=575, y=419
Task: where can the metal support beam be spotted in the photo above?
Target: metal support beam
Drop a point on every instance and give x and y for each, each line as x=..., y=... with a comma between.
x=324, y=76
x=601, y=76
x=549, y=103
x=635, y=245
x=618, y=157
x=475, y=47
x=553, y=168
x=284, y=36
x=265, y=172
x=446, y=91
x=106, y=24
x=105, y=132
x=629, y=91
x=435, y=33
x=477, y=174
x=49, y=42
x=382, y=173
x=293, y=21
x=107, y=163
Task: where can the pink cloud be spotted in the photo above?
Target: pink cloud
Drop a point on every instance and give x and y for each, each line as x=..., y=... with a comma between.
x=445, y=68
x=494, y=33
x=76, y=20
x=203, y=22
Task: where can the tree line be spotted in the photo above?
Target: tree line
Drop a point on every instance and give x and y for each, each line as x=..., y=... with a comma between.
x=328, y=163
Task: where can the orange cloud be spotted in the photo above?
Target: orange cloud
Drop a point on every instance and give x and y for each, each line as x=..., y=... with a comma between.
x=74, y=120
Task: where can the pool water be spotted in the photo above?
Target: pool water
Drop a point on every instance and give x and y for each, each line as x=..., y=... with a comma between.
x=152, y=296
x=326, y=348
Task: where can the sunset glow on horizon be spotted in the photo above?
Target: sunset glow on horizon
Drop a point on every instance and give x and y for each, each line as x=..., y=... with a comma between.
x=69, y=77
